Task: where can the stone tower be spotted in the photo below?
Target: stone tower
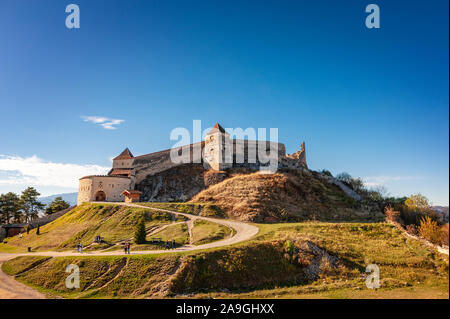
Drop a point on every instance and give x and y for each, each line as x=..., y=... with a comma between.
x=218, y=150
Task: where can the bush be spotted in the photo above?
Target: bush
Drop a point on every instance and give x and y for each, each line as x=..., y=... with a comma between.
x=392, y=215
x=326, y=172
x=412, y=230
x=140, y=234
x=430, y=230
x=444, y=235
x=417, y=202
x=411, y=216
x=344, y=177
x=356, y=184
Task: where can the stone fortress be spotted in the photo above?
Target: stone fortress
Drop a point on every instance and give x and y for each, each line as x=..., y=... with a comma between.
x=157, y=177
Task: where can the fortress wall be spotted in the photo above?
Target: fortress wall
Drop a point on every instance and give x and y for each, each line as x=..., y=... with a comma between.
x=112, y=186
x=250, y=148
x=151, y=164
x=157, y=162
x=123, y=163
x=84, y=190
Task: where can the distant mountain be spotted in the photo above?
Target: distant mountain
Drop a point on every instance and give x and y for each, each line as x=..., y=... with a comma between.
x=71, y=198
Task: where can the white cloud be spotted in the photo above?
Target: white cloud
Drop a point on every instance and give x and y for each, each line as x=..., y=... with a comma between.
x=106, y=122
x=33, y=171
x=374, y=181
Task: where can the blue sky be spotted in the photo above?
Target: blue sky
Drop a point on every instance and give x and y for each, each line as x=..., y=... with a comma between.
x=370, y=102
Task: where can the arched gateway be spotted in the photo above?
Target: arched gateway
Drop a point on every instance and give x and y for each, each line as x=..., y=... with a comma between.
x=100, y=196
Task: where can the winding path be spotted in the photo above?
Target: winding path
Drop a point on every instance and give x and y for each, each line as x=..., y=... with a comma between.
x=10, y=288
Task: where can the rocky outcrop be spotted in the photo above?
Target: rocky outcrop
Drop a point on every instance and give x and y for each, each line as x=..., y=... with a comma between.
x=178, y=183
x=347, y=190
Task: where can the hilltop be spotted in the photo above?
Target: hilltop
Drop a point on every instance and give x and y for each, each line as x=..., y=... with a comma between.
x=285, y=196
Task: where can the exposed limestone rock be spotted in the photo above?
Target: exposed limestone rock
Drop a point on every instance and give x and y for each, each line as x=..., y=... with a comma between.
x=178, y=183
x=347, y=190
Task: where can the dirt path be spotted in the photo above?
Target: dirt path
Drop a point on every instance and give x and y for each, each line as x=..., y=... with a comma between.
x=190, y=226
x=440, y=249
x=10, y=288
x=244, y=232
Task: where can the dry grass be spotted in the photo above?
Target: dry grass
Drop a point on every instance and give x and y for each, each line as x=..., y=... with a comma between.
x=294, y=196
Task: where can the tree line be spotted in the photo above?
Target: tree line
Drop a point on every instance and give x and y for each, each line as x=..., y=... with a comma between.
x=26, y=207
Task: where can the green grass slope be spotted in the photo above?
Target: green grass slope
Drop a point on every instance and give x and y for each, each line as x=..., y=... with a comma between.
x=300, y=260
x=112, y=222
x=205, y=232
x=178, y=233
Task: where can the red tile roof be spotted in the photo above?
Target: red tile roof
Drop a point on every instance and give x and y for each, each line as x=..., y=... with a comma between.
x=216, y=128
x=126, y=154
x=126, y=172
x=131, y=192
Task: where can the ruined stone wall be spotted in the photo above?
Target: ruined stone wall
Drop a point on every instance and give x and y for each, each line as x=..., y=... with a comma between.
x=296, y=160
x=157, y=162
x=154, y=163
x=248, y=152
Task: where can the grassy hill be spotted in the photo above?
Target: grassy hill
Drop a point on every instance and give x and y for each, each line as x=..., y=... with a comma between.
x=298, y=260
x=205, y=232
x=82, y=224
x=114, y=223
x=288, y=196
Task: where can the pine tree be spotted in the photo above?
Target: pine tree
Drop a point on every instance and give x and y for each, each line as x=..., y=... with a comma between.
x=58, y=204
x=139, y=234
x=29, y=204
x=9, y=208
